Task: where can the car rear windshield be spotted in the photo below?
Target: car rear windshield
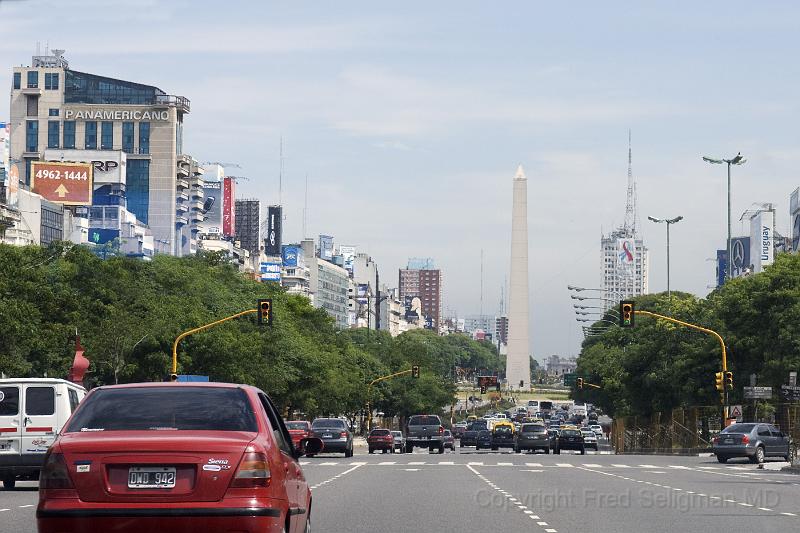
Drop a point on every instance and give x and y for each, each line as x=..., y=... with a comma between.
x=296, y=425
x=532, y=428
x=328, y=423
x=570, y=432
x=502, y=429
x=477, y=426
x=165, y=408
x=739, y=428
x=379, y=432
x=424, y=420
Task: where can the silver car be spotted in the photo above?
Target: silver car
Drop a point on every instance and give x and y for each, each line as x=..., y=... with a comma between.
x=589, y=438
x=399, y=441
x=752, y=440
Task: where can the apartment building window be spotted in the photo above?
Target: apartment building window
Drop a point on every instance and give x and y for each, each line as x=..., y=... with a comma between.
x=33, y=79
x=69, y=134
x=32, y=136
x=144, y=137
x=91, y=135
x=32, y=104
x=106, y=135
x=127, y=137
x=17, y=80
x=51, y=81
x=53, y=133
x=52, y=112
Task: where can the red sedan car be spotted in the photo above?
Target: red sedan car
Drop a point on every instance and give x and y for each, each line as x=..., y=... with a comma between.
x=380, y=439
x=299, y=430
x=182, y=457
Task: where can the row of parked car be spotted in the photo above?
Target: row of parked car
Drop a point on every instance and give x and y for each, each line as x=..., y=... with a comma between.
x=530, y=436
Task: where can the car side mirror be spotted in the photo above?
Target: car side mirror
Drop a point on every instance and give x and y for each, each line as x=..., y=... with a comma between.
x=309, y=445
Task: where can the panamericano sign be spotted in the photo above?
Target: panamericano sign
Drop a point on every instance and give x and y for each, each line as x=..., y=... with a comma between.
x=115, y=114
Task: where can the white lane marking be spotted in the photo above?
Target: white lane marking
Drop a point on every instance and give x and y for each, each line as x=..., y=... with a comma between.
x=1, y=510
x=620, y=466
x=564, y=465
x=446, y=463
x=359, y=463
x=411, y=469
x=387, y=463
x=475, y=463
x=417, y=463
x=648, y=466
x=745, y=504
x=533, y=464
x=529, y=512
x=789, y=514
x=321, y=483
x=551, y=530
x=334, y=463
x=530, y=470
x=764, y=509
x=542, y=523
x=678, y=467
x=24, y=506
x=304, y=463
x=592, y=465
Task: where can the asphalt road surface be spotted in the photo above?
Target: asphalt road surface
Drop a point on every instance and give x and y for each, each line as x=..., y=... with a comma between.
x=470, y=491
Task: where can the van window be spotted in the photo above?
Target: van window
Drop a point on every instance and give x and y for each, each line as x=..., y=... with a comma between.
x=40, y=401
x=9, y=401
x=73, y=399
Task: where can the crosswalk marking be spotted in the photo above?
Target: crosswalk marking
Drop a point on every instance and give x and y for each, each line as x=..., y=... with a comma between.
x=533, y=464
x=505, y=464
x=387, y=462
x=475, y=463
x=329, y=464
x=621, y=466
x=648, y=466
x=592, y=465
x=564, y=465
x=679, y=467
x=446, y=463
x=417, y=463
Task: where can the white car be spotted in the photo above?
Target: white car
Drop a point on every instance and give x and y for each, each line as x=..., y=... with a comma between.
x=589, y=438
x=598, y=430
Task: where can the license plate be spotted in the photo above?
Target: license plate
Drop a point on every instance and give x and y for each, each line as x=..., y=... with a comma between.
x=728, y=441
x=151, y=477
x=327, y=435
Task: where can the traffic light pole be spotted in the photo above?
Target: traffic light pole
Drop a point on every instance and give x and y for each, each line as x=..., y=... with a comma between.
x=369, y=393
x=174, y=373
x=710, y=332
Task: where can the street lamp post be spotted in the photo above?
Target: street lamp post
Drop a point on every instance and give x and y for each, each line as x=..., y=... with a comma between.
x=738, y=160
x=669, y=222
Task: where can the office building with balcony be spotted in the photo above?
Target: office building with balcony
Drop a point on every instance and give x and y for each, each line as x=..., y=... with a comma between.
x=56, y=108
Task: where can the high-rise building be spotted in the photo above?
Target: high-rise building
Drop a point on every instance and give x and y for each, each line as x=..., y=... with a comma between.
x=248, y=224
x=54, y=107
x=624, y=259
x=425, y=284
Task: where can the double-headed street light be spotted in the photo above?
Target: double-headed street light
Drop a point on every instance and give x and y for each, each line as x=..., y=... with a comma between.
x=737, y=160
x=669, y=222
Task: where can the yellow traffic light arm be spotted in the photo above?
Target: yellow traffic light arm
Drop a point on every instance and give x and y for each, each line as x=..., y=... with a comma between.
x=586, y=384
x=698, y=328
x=197, y=330
x=369, y=393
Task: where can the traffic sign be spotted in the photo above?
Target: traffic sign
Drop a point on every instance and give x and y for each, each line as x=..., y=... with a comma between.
x=569, y=379
x=790, y=392
x=753, y=393
x=62, y=183
x=735, y=411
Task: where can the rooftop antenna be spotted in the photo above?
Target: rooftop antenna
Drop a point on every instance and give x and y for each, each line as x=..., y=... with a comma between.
x=630, y=205
x=280, y=175
x=305, y=209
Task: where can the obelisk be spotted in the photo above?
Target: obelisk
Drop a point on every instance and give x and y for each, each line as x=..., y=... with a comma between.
x=518, y=363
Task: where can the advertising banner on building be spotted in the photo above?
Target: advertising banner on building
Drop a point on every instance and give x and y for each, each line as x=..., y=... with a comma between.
x=13, y=185
x=762, y=242
x=794, y=219
x=348, y=254
x=626, y=256
x=292, y=255
x=270, y=272
x=326, y=247
x=740, y=256
x=722, y=267
x=228, y=210
x=212, y=207
x=108, y=166
x=5, y=134
x=62, y=183
x=272, y=244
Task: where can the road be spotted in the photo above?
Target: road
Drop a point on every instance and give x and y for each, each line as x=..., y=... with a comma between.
x=483, y=491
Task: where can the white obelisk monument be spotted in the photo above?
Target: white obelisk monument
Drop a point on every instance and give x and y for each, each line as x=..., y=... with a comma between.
x=518, y=363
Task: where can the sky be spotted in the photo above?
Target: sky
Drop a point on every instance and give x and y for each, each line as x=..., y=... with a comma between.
x=409, y=120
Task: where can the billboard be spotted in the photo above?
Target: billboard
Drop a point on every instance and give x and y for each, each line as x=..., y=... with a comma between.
x=62, y=183
x=348, y=254
x=626, y=255
x=108, y=166
x=270, y=272
x=722, y=266
x=12, y=192
x=228, y=211
x=740, y=256
x=292, y=255
x=326, y=247
x=272, y=244
x=762, y=243
x=212, y=207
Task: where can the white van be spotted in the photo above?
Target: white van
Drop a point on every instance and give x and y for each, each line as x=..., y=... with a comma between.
x=32, y=412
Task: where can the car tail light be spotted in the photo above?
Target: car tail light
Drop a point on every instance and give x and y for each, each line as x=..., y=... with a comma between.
x=253, y=471
x=715, y=440
x=54, y=473
x=441, y=429
x=745, y=439
x=343, y=434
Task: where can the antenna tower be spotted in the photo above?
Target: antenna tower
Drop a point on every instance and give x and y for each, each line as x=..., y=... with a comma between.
x=630, y=205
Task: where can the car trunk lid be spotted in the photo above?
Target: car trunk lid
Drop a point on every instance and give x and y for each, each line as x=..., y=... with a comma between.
x=156, y=466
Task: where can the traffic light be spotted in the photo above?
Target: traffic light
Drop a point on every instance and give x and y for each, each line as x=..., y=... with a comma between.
x=265, y=312
x=626, y=314
x=415, y=371
x=579, y=383
x=718, y=381
x=729, y=380
x=483, y=389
